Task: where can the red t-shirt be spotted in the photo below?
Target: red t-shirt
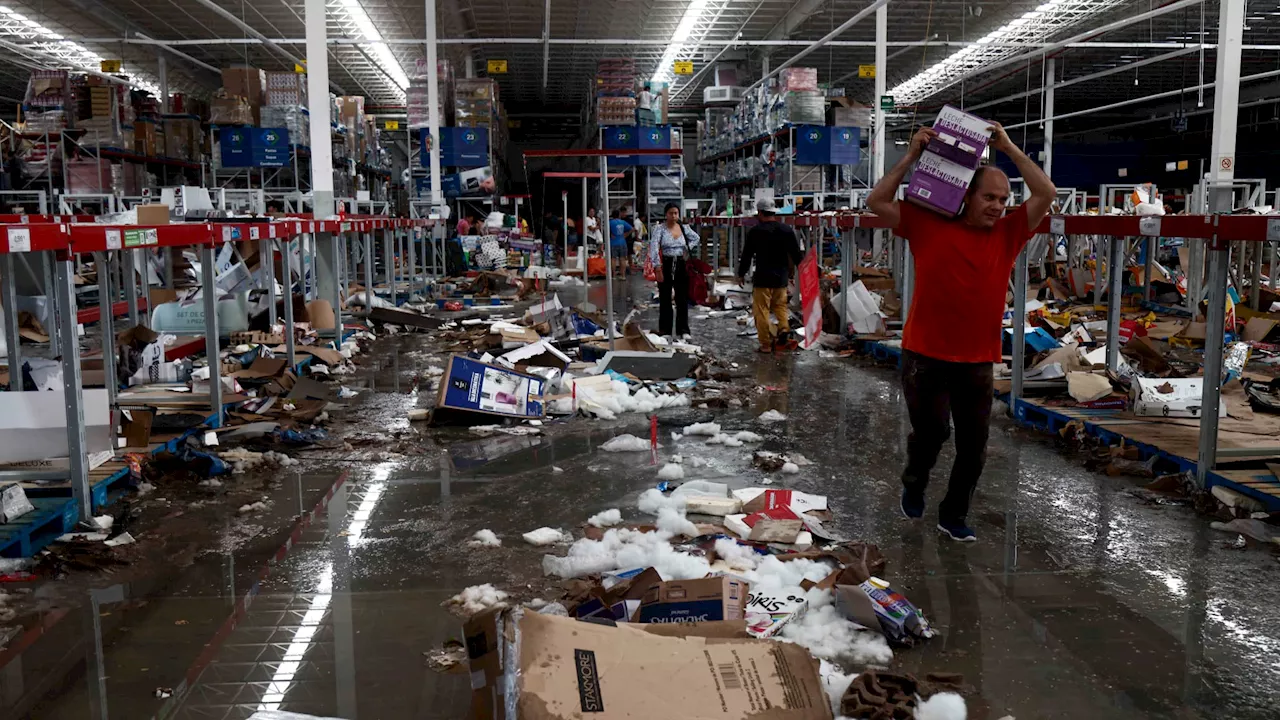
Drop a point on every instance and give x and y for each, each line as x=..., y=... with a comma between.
x=962, y=273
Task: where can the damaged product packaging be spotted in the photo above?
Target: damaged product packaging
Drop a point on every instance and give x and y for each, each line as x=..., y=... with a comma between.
x=527, y=666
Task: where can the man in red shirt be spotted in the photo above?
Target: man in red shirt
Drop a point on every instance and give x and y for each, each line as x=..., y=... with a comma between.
x=954, y=323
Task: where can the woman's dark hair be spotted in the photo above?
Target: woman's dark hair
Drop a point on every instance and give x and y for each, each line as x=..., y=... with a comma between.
x=670, y=207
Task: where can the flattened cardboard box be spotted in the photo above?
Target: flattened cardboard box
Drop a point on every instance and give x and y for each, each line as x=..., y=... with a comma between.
x=551, y=668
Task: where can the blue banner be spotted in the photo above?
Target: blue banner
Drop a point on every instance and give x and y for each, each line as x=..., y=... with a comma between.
x=254, y=147
x=813, y=146
x=657, y=137
x=622, y=137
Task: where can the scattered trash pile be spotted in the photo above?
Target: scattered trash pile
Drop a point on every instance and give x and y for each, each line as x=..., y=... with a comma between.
x=557, y=361
x=729, y=600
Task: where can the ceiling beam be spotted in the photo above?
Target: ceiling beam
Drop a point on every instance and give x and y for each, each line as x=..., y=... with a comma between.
x=817, y=44
x=230, y=17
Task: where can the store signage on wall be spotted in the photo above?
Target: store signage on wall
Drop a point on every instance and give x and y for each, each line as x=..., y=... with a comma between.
x=866, y=71
x=887, y=103
x=684, y=67
x=497, y=67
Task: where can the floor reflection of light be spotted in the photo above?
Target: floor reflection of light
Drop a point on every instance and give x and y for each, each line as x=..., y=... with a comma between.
x=305, y=634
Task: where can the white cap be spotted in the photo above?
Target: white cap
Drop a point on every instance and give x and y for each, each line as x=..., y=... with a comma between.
x=766, y=205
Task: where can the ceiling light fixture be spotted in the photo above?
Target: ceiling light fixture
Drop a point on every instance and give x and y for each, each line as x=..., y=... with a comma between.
x=377, y=49
x=684, y=41
x=1031, y=27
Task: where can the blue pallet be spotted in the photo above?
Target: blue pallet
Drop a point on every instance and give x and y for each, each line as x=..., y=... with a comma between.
x=881, y=352
x=31, y=533
x=1051, y=421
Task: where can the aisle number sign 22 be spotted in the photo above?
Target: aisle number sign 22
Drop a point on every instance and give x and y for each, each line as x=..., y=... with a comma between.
x=683, y=67
x=497, y=67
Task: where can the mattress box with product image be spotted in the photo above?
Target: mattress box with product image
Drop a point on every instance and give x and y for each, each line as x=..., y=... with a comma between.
x=473, y=386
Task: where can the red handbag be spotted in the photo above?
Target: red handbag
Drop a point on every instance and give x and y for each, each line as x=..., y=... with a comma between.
x=649, y=273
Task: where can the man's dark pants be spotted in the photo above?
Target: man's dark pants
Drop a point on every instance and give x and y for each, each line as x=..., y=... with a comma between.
x=939, y=392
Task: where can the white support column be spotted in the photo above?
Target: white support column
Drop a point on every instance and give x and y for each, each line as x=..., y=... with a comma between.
x=882, y=72
x=582, y=233
x=286, y=257
x=8, y=280
x=318, y=90
x=433, y=100
x=209, y=290
x=1050, y=80
x=1226, y=97
x=608, y=250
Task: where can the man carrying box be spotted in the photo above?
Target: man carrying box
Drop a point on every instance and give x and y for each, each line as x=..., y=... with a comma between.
x=952, y=336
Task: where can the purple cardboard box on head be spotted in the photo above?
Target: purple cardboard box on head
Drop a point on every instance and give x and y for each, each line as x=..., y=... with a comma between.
x=947, y=165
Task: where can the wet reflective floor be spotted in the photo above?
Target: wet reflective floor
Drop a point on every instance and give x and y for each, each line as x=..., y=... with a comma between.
x=1081, y=599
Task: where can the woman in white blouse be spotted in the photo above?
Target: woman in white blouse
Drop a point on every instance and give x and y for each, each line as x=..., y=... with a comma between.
x=669, y=245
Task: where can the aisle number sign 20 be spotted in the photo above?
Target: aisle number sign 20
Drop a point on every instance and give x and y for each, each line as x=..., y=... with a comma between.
x=684, y=67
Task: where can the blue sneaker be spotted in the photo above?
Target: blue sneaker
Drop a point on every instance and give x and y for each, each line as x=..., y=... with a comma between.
x=912, y=504
x=958, y=531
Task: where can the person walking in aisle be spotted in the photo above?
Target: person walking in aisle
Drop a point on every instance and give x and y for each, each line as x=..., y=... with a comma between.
x=669, y=246
x=773, y=246
x=591, y=226
x=620, y=233
x=952, y=336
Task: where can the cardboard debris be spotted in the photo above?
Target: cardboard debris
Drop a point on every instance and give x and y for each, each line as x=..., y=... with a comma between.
x=477, y=388
x=1169, y=397
x=690, y=601
x=558, y=668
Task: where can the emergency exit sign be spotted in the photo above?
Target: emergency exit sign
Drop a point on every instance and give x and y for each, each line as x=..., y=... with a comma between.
x=887, y=103
x=497, y=67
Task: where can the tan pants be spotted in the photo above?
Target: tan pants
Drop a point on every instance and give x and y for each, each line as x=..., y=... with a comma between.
x=765, y=301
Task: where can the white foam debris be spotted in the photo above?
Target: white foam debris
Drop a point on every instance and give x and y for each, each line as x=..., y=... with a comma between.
x=626, y=443
x=145, y=488
x=475, y=600
x=943, y=706
x=709, y=429
x=747, y=436
x=835, y=682
x=434, y=371
x=210, y=483
x=652, y=500
x=605, y=519
x=616, y=398
x=547, y=536
x=554, y=608
x=671, y=471
x=485, y=538
x=675, y=436
x=243, y=461
x=623, y=548
x=771, y=416
x=790, y=468
x=737, y=556
x=674, y=522
x=417, y=414
x=724, y=439
x=825, y=633
x=556, y=469
x=677, y=459
x=253, y=507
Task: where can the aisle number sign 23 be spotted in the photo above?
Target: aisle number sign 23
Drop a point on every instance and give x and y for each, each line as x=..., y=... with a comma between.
x=683, y=67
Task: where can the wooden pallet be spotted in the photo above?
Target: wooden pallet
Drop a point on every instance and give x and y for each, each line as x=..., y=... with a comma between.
x=31, y=533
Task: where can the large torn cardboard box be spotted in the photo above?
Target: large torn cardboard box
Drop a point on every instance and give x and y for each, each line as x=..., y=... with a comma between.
x=33, y=425
x=526, y=666
x=1169, y=397
x=472, y=386
x=704, y=600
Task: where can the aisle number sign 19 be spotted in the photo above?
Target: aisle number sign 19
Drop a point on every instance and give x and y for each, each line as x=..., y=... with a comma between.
x=866, y=71
x=497, y=67
x=684, y=67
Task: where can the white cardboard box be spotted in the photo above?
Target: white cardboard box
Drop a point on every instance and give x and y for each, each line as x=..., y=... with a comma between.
x=34, y=425
x=1169, y=397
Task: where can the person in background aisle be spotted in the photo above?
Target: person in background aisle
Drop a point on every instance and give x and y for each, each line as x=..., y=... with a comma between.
x=952, y=336
x=774, y=248
x=640, y=237
x=668, y=249
x=620, y=232
x=591, y=225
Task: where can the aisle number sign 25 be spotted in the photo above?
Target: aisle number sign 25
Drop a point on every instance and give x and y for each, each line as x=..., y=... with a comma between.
x=497, y=67
x=683, y=67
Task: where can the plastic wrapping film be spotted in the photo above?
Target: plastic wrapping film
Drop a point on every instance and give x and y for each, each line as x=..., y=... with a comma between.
x=418, y=99
x=509, y=656
x=230, y=111
x=293, y=118
x=799, y=78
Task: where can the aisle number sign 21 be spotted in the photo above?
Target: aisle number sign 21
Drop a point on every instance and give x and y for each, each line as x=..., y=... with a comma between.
x=683, y=67
x=497, y=67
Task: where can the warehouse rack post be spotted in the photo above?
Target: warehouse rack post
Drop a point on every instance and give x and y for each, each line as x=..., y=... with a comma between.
x=603, y=155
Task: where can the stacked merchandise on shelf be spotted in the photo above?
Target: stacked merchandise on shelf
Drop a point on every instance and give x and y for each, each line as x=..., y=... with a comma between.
x=798, y=100
x=148, y=128
x=419, y=100
x=95, y=177
x=616, y=91
x=793, y=178
x=44, y=111
x=286, y=106
x=97, y=110
x=182, y=137
x=239, y=102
